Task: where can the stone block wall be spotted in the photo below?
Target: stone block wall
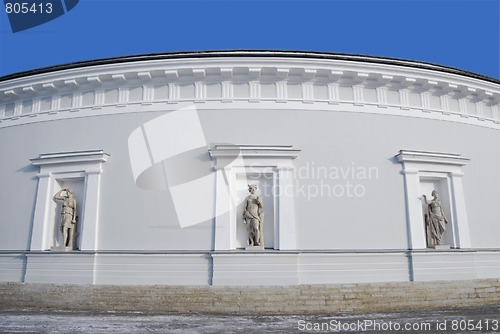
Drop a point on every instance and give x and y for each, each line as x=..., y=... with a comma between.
x=300, y=299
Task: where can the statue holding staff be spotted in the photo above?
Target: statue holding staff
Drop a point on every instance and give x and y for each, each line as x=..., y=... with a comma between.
x=435, y=220
x=68, y=216
x=253, y=217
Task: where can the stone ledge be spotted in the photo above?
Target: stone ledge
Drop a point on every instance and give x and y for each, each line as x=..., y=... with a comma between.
x=301, y=299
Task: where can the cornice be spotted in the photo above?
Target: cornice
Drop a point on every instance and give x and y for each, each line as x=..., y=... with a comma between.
x=409, y=156
x=279, y=79
x=250, y=53
x=70, y=157
x=279, y=156
x=250, y=151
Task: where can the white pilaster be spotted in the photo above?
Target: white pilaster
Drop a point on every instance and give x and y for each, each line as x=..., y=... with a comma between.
x=286, y=234
x=462, y=225
x=223, y=237
x=90, y=226
x=39, y=235
x=416, y=225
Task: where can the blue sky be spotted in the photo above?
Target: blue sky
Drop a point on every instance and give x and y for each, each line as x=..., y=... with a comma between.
x=460, y=33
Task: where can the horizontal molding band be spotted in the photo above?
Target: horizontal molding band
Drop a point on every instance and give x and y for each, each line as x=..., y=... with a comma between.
x=244, y=105
x=245, y=268
x=250, y=80
x=241, y=251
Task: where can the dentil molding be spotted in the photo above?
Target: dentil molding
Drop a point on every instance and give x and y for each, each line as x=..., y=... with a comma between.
x=362, y=83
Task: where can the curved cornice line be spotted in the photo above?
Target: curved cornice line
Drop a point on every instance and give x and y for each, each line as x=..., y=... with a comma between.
x=253, y=77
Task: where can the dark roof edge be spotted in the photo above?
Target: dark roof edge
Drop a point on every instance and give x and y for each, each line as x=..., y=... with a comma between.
x=252, y=53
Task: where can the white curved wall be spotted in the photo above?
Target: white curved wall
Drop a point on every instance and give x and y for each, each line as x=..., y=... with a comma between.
x=340, y=115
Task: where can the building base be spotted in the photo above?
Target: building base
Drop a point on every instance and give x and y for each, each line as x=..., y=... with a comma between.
x=248, y=268
x=299, y=299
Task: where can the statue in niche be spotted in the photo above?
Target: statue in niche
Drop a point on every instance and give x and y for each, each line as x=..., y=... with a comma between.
x=253, y=217
x=68, y=217
x=435, y=220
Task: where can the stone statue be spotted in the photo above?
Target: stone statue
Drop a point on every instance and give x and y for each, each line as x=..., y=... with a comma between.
x=68, y=217
x=253, y=217
x=435, y=220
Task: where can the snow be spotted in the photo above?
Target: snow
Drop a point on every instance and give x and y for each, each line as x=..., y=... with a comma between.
x=58, y=322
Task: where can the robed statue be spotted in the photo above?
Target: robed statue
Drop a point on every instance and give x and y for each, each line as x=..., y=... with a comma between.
x=435, y=220
x=68, y=217
x=253, y=217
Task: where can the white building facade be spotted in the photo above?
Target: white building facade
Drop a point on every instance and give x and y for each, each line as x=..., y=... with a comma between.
x=160, y=149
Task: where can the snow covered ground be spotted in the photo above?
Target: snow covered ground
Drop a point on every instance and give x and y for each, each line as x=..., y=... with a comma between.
x=484, y=319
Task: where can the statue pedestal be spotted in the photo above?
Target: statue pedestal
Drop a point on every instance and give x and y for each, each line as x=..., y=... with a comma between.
x=254, y=248
x=440, y=247
x=61, y=249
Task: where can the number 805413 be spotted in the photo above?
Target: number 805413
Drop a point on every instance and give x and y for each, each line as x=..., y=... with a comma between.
x=28, y=8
